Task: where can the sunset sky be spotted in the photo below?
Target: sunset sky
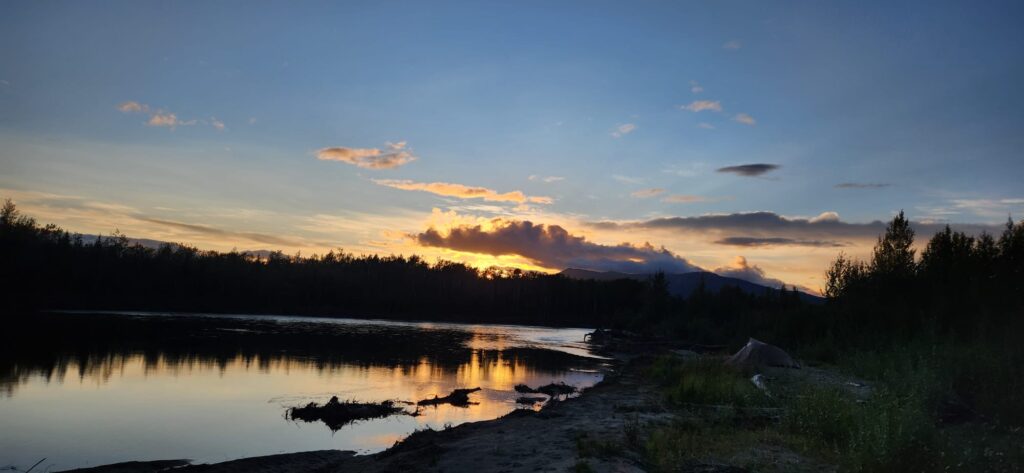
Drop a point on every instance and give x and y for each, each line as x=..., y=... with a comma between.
x=758, y=139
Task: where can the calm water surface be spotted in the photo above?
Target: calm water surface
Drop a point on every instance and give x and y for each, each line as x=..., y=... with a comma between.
x=89, y=389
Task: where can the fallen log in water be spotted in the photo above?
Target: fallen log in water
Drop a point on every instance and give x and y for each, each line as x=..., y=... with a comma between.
x=458, y=397
x=553, y=389
x=530, y=400
x=336, y=413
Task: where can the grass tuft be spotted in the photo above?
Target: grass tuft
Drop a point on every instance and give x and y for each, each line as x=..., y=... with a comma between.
x=706, y=381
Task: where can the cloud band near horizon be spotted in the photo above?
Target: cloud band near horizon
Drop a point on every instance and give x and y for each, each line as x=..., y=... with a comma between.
x=553, y=247
x=447, y=189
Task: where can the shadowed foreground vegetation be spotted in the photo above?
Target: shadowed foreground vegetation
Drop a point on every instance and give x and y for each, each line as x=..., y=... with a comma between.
x=903, y=423
x=936, y=338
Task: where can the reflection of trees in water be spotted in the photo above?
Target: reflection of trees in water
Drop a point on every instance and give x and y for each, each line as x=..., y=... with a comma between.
x=54, y=347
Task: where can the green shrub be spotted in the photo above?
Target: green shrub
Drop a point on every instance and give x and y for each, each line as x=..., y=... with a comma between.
x=706, y=381
x=887, y=433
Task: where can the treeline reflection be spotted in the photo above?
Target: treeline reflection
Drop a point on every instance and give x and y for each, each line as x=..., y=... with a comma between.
x=97, y=348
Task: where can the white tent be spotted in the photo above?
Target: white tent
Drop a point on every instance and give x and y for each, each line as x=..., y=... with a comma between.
x=757, y=353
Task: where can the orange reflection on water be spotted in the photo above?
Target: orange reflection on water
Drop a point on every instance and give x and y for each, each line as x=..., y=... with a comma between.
x=223, y=407
x=287, y=378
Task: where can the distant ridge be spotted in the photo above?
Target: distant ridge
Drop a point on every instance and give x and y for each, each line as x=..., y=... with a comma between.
x=89, y=239
x=684, y=284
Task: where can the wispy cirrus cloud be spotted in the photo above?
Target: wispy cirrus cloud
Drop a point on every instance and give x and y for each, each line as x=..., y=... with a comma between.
x=623, y=130
x=993, y=208
x=695, y=87
x=547, y=179
x=460, y=191
x=647, y=193
x=628, y=179
x=749, y=170
x=214, y=231
x=827, y=226
x=165, y=119
x=777, y=241
x=553, y=247
x=732, y=45
x=703, y=105
x=861, y=185
x=744, y=119
x=685, y=199
x=395, y=155
x=82, y=214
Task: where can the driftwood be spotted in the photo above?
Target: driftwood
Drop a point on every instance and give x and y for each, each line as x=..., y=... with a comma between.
x=458, y=397
x=530, y=399
x=552, y=390
x=336, y=413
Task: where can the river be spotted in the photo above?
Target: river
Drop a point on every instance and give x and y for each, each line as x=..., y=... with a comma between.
x=85, y=389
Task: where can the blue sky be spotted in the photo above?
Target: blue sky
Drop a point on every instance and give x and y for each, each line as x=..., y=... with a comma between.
x=917, y=105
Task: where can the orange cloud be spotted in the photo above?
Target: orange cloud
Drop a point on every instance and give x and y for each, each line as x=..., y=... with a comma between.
x=462, y=192
x=169, y=120
x=741, y=269
x=162, y=118
x=370, y=158
x=702, y=105
x=133, y=107
x=683, y=199
x=645, y=193
x=744, y=119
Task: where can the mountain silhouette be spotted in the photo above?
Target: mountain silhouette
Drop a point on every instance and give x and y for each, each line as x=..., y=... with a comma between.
x=683, y=284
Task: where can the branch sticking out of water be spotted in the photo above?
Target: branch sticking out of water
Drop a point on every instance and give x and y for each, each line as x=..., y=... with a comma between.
x=553, y=390
x=458, y=398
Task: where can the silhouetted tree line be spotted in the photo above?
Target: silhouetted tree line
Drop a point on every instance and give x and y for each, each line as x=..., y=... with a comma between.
x=728, y=316
x=961, y=287
x=45, y=267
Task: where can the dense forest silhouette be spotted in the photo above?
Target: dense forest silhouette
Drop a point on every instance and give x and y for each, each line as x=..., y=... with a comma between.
x=960, y=287
x=47, y=267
